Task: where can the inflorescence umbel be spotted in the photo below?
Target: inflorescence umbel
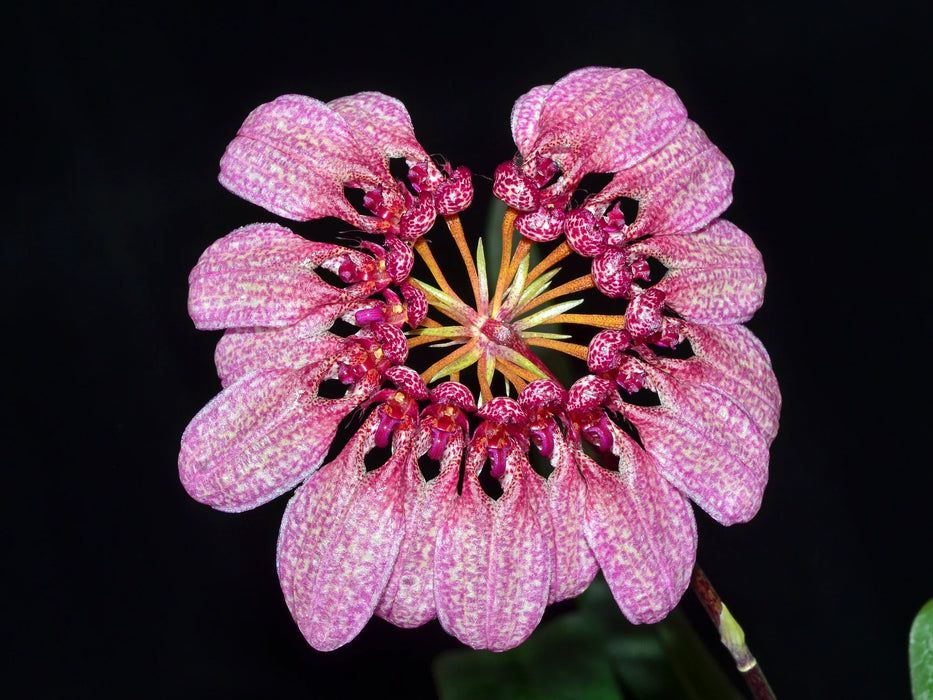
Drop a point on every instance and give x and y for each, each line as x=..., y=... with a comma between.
x=410, y=544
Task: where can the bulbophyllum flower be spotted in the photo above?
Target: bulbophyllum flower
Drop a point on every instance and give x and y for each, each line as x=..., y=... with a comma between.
x=483, y=480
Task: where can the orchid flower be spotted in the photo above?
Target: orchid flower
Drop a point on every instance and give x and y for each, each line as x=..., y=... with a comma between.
x=539, y=479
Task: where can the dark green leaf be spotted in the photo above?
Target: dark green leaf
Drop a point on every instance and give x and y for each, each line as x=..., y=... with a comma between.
x=921, y=654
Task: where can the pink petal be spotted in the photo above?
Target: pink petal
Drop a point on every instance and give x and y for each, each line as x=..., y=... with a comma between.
x=408, y=599
x=733, y=361
x=715, y=276
x=706, y=445
x=680, y=188
x=262, y=436
x=263, y=275
x=382, y=121
x=575, y=564
x=242, y=351
x=525, y=115
x=492, y=567
x=294, y=155
x=339, y=539
x=602, y=120
x=642, y=530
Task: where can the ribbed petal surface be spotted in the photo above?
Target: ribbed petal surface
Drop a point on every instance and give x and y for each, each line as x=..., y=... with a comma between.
x=706, y=445
x=492, y=567
x=575, y=564
x=642, y=530
x=263, y=275
x=715, y=276
x=339, y=539
x=599, y=120
x=733, y=361
x=293, y=156
x=525, y=115
x=680, y=188
x=384, y=123
x=408, y=600
x=262, y=436
x=242, y=351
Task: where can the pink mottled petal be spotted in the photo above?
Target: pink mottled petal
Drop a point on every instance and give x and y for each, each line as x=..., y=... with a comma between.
x=715, y=276
x=525, y=115
x=242, y=351
x=680, y=188
x=706, y=445
x=261, y=436
x=605, y=120
x=575, y=564
x=263, y=275
x=293, y=156
x=642, y=530
x=408, y=600
x=340, y=537
x=492, y=567
x=384, y=122
x=733, y=361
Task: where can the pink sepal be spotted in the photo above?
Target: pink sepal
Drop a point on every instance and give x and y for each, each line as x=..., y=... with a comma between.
x=641, y=529
x=340, y=536
x=705, y=444
x=294, y=156
x=492, y=566
x=715, y=276
x=596, y=120
x=679, y=189
x=408, y=600
x=242, y=351
x=730, y=359
x=263, y=275
x=574, y=564
x=384, y=122
x=263, y=435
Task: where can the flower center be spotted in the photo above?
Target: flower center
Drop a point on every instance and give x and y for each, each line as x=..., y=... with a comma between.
x=497, y=333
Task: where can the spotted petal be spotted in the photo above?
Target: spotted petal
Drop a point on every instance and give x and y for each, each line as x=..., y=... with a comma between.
x=575, y=564
x=642, y=530
x=598, y=120
x=242, y=351
x=733, y=361
x=264, y=275
x=262, y=436
x=294, y=155
x=492, y=567
x=340, y=536
x=408, y=600
x=705, y=444
x=715, y=276
x=680, y=188
x=384, y=122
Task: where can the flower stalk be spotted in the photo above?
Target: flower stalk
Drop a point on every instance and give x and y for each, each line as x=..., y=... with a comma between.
x=731, y=635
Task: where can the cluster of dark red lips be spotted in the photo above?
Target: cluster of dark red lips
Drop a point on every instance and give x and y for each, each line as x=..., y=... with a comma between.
x=357, y=541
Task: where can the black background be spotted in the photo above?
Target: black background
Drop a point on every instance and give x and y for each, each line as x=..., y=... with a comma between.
x=115, y=582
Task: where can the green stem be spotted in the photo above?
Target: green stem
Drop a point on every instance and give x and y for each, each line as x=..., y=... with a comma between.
x=731, y=635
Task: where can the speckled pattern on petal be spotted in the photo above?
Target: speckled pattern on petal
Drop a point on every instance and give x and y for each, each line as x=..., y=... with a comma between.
x=706, y=445
x=681, y=188
x=492, y=570
x=408, y=600
x=601, y=120
x=293, y=156
x=263, y=275
x=340, y=537
x=261, y=437
x=642, y=530
x=715, y=276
